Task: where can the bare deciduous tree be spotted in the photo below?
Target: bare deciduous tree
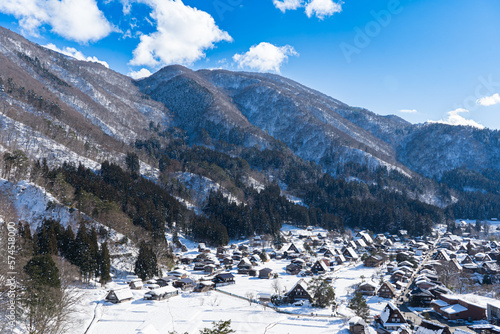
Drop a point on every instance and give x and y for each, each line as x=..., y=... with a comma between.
x=53, y=314
x=276, y=286
x=250, y=296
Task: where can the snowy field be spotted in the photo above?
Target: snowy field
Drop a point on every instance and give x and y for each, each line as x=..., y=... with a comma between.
x=191, y=312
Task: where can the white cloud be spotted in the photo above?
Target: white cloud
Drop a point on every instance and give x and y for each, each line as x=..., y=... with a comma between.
x=323, y=8
x=265, y=57
x=285, y=5
x=78, y=20
x=183, y=35
x=318, y=8
x=141, y=74
x=489, y=100
x=454, y=118
x=74, y=53
x=408, y=111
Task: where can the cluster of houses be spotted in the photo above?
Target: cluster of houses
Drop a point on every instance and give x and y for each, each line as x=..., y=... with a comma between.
x=454, y=259
x=417, y=271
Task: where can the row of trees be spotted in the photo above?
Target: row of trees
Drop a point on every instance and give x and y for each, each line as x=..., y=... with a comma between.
x=478, y=192
x=82, y=249
x=39, y=296
x=146, y=203
x=331, y=202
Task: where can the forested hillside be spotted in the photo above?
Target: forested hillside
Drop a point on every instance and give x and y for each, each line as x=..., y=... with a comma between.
x=218, y=154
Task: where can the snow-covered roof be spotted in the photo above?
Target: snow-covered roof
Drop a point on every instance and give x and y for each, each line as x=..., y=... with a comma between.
x=422, y=330
x=245, y=261
x=122, y=293
x=440, y=303
x=406, y=263
x=384, y=316
x=472, y=299
x=361, y=242
x=386, y=312
x=366, y=236
x=162, y=290
x=178, y=272
x=356, y=321
x=351, y=252
x=453, y=309
x=406, y=269
x=367, y=285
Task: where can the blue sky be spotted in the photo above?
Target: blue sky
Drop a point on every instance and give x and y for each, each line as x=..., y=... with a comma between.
x=423, y=60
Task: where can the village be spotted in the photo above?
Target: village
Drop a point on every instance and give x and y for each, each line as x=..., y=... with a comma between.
x=425, y=285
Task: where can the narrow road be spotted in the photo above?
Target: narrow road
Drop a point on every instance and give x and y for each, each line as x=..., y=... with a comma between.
x=95, y=316
x=402, y=301
x=402, y=297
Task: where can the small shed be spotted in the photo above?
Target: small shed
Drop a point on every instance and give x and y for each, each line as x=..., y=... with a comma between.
x=265, y=273
x=357, y=325
x=165, y=280
x=209, y=269
x=204, y=286
x=136, y=284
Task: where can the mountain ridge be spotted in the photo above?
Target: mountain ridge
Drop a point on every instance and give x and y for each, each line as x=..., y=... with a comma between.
x=65, y=109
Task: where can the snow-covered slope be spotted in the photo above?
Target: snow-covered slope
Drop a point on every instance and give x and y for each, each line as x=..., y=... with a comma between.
x=250, y=108
x=104, y=98
x=33, y=204
x=201, y=186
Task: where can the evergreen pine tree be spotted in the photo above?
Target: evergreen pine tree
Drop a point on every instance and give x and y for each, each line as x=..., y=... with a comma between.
x=68, y=244
x=47, y=240
x=133, y=164
x=358, y=304
x=322, y=292
x=52, y=243
x=104, y=264
x=83, y=255
x=42, y=294
x=25, y=232
x=175, y=239
x=146, y=265
x=36, y=248
x=94, y=251
x=43, y=271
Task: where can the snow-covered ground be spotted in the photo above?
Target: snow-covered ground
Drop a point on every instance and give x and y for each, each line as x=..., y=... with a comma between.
x=191, y=312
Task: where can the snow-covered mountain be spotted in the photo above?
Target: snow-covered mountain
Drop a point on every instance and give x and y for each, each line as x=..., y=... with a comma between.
x=58, y=107
x=81, y=105
x=251, y=108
